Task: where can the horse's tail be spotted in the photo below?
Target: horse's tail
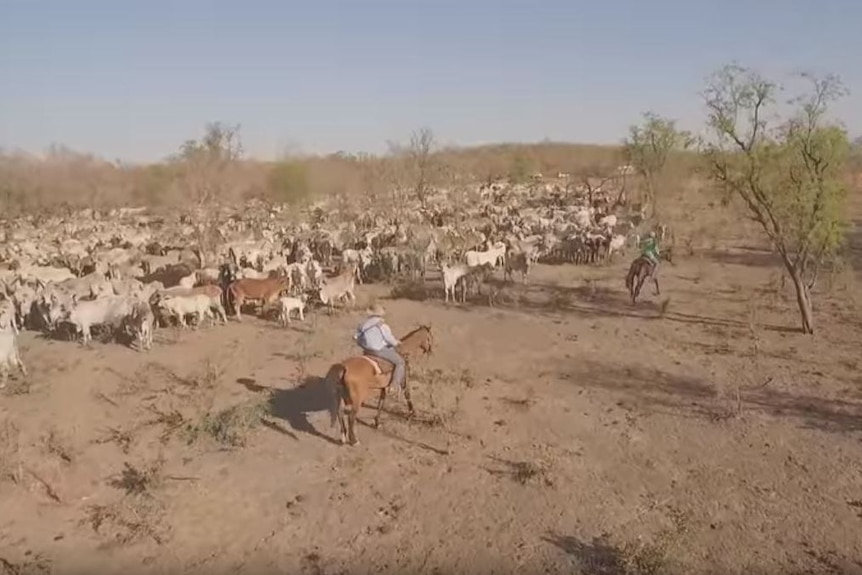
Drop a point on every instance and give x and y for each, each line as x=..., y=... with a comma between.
x=335, y=383
x=630, y=277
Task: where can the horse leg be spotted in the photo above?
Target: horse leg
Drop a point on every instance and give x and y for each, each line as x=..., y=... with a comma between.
x=351, y=425
x=638, y=287
x=356, y=399
x=379, y=407
x=341, y=423
x=410, y=410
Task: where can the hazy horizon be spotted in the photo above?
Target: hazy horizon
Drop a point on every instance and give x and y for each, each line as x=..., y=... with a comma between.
x=132, y=81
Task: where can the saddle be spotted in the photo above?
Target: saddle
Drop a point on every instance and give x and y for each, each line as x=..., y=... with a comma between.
x=381, y=366
x=647, y=260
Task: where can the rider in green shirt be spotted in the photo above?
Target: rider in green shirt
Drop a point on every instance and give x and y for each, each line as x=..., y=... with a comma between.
x=650, y=251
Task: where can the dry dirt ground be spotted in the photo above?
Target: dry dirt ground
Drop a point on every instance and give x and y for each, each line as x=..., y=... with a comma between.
x=562, y=431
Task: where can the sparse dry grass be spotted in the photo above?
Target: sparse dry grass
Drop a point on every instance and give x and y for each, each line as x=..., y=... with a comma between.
x=129, y=520
x=230, y=426
x=17, y=386
x=11, y=466
x=445, y=391
x=134, y=481
x=33, y=564
x=58, y=445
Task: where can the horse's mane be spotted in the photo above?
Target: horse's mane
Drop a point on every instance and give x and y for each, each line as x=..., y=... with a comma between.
x=417, y=330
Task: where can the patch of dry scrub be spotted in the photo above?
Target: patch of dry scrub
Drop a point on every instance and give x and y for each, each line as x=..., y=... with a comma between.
x=11, y=465
x=139, y=514
x=445, y=390
x=228, y=427
x=35, y=564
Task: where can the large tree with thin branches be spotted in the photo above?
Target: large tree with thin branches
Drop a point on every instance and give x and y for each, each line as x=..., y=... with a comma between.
x=786, y=169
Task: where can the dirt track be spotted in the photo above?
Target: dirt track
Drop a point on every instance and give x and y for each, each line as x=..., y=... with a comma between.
x=562, y=431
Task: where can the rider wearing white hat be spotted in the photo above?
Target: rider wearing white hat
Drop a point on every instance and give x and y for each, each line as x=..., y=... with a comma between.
x=376, y=339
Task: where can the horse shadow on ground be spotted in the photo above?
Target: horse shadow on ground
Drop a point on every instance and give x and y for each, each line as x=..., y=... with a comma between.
x=601, y=557
x=687, y=396
x=295, y=404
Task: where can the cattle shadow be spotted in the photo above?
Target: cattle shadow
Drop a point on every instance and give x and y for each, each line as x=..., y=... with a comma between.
x=594, y=558
x=293, y=405
x=686, y=396
x=414, y=290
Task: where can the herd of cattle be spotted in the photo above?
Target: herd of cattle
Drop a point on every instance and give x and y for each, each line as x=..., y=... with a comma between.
x=129, y=271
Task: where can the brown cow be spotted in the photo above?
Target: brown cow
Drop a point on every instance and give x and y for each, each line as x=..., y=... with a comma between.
x=265, y=291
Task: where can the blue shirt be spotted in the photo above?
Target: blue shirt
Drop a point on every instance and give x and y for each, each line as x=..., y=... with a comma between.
x=373, y=334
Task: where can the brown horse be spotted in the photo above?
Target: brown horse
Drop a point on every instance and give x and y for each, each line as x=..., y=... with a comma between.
x=353, y=379
x=640, y=271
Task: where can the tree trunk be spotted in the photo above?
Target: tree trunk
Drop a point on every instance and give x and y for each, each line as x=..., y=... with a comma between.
x=803, y=299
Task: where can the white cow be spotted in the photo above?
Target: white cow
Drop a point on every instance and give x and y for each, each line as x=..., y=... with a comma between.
x=492, y=256
x=338, y=288
x=9, y=356
x=451, y=277
x=616, y=245
x=85, y=314
x=180, y=306
x=288, y=304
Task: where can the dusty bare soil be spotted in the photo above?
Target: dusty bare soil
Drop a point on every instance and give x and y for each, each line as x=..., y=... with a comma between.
x=562, y=431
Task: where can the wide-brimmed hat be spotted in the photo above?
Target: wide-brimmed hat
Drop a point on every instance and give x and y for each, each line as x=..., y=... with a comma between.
x=376, y=309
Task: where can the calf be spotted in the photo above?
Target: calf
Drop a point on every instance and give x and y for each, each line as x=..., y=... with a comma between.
x=289, y=304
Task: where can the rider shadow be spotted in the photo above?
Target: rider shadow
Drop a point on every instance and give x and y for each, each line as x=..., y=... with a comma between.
x=294, y=405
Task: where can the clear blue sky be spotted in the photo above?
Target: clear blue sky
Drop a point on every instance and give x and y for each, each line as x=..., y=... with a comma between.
x=132, y=79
